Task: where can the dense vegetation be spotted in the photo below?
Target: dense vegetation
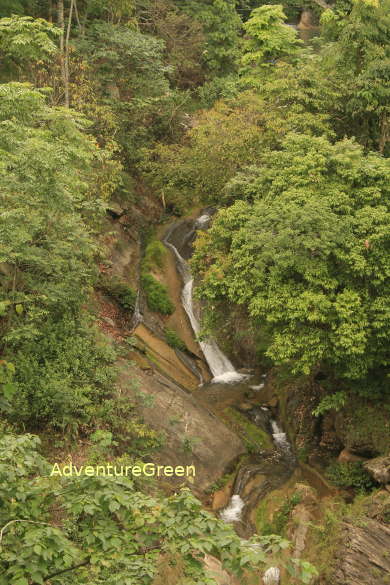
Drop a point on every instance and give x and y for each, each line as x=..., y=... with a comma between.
x=204, y=102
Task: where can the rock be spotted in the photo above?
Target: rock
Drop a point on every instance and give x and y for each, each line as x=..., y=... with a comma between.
x=307, y=19
x=115, y=209
x=272, y=576
x=245, y=406
x=364, y=555
x=220, y=499
x=379, y=469
x=347, y=457
x=273, y=403
x=246, y=371
x=215, y=569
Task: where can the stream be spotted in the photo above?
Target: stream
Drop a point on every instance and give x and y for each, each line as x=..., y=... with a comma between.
x=264, y=470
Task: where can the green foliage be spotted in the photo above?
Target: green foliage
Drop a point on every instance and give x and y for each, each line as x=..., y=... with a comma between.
x=221, y=25
x=156, y=295
x=103, y=524
x=222, y=141
x=231, y=136
x=118, y=290
x=350, y=475
x=357, y=63
x=61, y=375
x=122, y=56
x=320, y=270
x=47, y=248
x=282, y=515
x=334, y=401
x=183, y=37
x=26, y=39
x=155, y=253
x=268, y=39
x=174, y=340
x=216, y=89
x=7, y=386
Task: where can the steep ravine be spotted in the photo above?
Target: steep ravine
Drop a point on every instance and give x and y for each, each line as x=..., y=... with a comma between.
x=307, y=495
x=222, y=428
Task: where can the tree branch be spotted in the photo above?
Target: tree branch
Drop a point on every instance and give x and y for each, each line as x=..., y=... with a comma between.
x=19, y=520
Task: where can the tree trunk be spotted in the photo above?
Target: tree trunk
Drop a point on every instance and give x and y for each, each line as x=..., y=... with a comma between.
x=61, y=24
x=66, y=54
x=383, y=132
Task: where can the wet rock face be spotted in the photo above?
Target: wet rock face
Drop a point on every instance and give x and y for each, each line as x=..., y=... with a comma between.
x=364, y=557
x=379, y=469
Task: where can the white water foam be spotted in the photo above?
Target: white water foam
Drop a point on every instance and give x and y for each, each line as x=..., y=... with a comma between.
x=233, y=511
x=220, y=366
x=272, y=576
x=280, y=438
x=258, y=387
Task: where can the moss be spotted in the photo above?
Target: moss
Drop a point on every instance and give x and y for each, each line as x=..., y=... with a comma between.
x=368, y=423
x=254, y=437
x=325, y=537
x=350, y=474
x=273, y=513
x=157, y=296
x=155, y=253
x=173, y=340
x=121, y=292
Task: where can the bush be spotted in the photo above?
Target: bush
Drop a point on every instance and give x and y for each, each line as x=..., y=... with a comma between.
x=121, y=292
x=157, y=295
x=350, y=474
x=61, y=375
x=174, y=340
x=155, y=253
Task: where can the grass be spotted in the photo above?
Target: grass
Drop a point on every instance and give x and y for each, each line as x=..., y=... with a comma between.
x=157, y=296
x=173, y=339
x=155, y=253
x=254, y=437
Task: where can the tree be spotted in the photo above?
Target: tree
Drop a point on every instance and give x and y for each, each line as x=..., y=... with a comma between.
x=268, y=39
x=71, y=530
x=305, y=250
x=24, y=41
x=53, y=181
x=357, y=63
x=221, y=26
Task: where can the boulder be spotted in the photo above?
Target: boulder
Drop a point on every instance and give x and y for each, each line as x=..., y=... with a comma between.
x=115, y=209
x=347, y=457
x=379, y=469
x=306, y=20
x=272, y=576
x=363, y=557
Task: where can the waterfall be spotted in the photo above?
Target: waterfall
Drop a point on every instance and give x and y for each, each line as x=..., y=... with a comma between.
x=272, y=576
x=220, y=366
x=232, y=512
x=137, y=315
x=279, y=437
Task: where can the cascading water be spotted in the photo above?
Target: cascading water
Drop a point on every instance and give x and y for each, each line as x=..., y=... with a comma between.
x=220, y=366
x=223, y=372
x=232, y=512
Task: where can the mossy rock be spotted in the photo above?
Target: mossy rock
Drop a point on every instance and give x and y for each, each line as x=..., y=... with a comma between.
x=254, y=437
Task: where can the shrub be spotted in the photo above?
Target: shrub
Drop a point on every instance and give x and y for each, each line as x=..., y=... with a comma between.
x=174, y=340
x=155, y=253
x=120, y=291
x=350, y=474
x=157, y=295
x=61, y=375
x=334, y=401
